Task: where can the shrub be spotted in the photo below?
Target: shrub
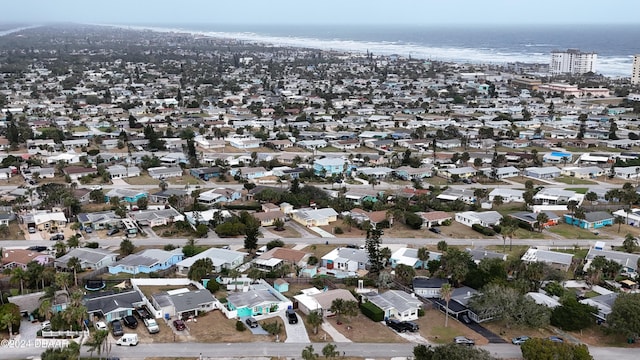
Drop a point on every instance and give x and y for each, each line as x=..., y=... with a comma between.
x=274, y=244
x=312, y=260
x=413, y=220
x=372, y=312
x=240, y=326
x=213, y=286
x=421, y=312
x=446, y=222
x=338, y=230
x=92, y=245
x=483, y=230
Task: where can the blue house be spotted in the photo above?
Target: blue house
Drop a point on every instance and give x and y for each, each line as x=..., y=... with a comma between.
x=128, y=195
x=592, y=220
x=329, y=166
x=206, y=173
x=409, y=257
x=147, y=261
x=261, y=299
x=113, y=306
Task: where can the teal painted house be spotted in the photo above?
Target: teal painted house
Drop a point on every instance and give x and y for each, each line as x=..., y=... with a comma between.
x=592, y=220
x=261, y=299
x=281, y=285
x=130, y=196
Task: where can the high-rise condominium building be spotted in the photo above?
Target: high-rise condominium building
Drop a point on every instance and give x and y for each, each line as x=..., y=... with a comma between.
x=572, y=61
x=635, y=72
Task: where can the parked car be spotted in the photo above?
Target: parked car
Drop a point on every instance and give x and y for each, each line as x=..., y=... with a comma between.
x=179, y=325
x=462, y=340
x=32, y=230
x=152, y=326
x=116, y=328
x=435, y=230
x=556, y=339
x=251, y=322
x=57, y=237
x=402, y=326
x=37, y=248
x=519, y=340
x=45, y=325
x=100, y=325
x=88, y=230
x=128, y=340
x=292, y=317
x=113, y=231
x=130, y=322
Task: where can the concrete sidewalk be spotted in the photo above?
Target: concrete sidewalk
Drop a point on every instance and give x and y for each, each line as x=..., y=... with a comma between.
x=335, y=334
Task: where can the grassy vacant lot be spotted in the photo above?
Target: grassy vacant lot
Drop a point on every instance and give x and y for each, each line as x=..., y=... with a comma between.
x=459, y=231
x=574, y=181
x=288, y=232
x=319, y=250
x=579, y=190
x=512, y=252
x=526, y=234
x=432, y=328
x=509, y=332
x=399, y=230
x=574, y=232
x=624, y=229
x=142, y=180
x=362, y=329
x=184, y=180
x=15, y=232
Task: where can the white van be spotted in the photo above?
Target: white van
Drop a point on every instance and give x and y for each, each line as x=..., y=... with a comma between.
x=261, y=250
x=128, y=340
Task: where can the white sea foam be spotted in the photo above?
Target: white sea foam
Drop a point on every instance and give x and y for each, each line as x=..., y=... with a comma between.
x=613, y=66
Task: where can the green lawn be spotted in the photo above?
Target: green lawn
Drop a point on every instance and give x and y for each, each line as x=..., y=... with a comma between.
x=579, y=190
x=574, y=181
x=78, y=129
x=573, y=232
x=512, y=252
x=526, y=234
x=443, y=335
x=329, y=149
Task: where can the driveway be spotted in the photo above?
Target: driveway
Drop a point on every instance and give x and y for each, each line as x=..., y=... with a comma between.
x=256, y=330
x=296, y=333
x=489, y=335
x=28, y=330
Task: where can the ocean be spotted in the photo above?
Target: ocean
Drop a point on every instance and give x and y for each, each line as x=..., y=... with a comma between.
x=479, y=44
x=614, y=44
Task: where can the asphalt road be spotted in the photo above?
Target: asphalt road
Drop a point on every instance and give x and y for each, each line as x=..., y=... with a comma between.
x=291, y=350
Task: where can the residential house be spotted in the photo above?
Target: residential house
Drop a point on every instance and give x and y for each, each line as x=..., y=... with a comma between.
x=478, y=255
x=448, y=143
x=277, y=257
x=458, y=305
x=156, y=216
x=260, y=299
x=83, y=195
x=329, y=166
x=314, y=217
x=592, y=220
x=147, y=261
x=163, y=172
x=453, y=194
x=200, y=217
x=219, y=195
x=549, y=172
x=531, y=219
x=428, y=287
x=461, y=173
x=434, y=218
x=184, y=303
x=409, y=257
x=129, y=195
x=314, y=299
x=20, y=258
x=221, y=259
x=486, y=219
x=396, y=304
x=206, y=173
x=501, y=173
x=112, y=306
x=507, y=195
x=556, y=196
x=99, y=220
x=589, y=172
x=555, y=259
x=121, y=172
x=373, y=217
x=76, y=172
x=379, y=172
x=604, y=304
x=360, y=196
x=269, y=218
x=628, y=261
x=45, y=220
x=345, y=260
x=163, y=196
x=408, y=173
x=251, y=173
x=627, y=173
x=90, y=259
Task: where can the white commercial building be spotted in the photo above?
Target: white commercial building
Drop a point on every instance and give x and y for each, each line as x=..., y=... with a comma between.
x=635, y=72
x=572, y=61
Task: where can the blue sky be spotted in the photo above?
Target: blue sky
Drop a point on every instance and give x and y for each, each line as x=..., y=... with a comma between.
x=424, y=12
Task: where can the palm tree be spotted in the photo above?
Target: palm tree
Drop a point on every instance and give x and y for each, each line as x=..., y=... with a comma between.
x=498, y=200
x=445, y=294
x=62, y=281
x=7, y=320
x=18, y=276
x=541, y=220
x=591, y=197
x=572, y=206
x=314, y=319
x=45, y=309
x=423, y=256
x=619, y=220
x=349, y=221
x=309, y=354
x=73, y=241
x=47, y=276
x=630, y=243
x=233, y=274
x=97, y=342
x=75, y=265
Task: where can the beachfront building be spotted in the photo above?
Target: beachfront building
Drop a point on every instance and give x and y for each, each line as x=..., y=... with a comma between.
x=572, y=61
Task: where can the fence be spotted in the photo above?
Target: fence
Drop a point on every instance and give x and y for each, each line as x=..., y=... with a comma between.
x=67, y=333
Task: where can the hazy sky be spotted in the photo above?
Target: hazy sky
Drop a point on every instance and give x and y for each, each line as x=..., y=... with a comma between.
x=324, y=11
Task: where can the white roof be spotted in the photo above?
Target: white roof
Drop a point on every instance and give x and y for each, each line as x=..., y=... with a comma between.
x=217, y=256
x=543, y=299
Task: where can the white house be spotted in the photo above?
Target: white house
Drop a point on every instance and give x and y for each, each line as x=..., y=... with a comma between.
x=508, y=195
x=397, y=304
x=486, y=219
x=221, y=258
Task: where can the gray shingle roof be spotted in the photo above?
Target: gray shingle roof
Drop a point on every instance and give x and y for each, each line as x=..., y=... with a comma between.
x=191, y=300
x=106, y=304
